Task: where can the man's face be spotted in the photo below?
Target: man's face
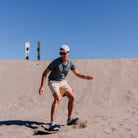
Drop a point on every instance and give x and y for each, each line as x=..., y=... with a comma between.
x=64, y=55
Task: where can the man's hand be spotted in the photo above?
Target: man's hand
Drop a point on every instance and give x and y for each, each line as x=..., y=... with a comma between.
x=41, y=90
x=89, y=77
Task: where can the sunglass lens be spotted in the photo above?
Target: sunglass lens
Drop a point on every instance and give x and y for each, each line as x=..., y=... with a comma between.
x=63, y=53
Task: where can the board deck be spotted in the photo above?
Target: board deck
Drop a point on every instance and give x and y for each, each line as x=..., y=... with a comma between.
x=44, y=130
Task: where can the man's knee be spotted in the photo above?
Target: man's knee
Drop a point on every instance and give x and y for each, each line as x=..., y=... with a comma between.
x=71, y=96
x=57, y=97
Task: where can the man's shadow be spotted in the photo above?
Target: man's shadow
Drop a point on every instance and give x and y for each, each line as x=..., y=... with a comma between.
x=29, y=124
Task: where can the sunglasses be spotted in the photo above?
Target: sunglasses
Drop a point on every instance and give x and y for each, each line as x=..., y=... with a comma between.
x=63, y=53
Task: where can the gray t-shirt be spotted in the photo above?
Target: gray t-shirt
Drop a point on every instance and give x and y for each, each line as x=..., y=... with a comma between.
x=59, y=70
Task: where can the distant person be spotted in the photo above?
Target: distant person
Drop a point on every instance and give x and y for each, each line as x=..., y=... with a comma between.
x=59, y=87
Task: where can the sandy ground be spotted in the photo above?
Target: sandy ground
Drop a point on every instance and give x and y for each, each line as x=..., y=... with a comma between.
x=107, y=106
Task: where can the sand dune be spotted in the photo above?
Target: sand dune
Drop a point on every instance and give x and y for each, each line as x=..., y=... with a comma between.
x=107, y=106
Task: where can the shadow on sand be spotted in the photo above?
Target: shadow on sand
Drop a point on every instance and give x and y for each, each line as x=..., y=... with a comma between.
x=29, y=124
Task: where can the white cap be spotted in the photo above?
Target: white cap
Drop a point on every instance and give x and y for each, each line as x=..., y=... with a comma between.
x=64, y=48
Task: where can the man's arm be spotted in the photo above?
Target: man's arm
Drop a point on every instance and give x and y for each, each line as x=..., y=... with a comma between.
x=79, y=75
x=41, y=90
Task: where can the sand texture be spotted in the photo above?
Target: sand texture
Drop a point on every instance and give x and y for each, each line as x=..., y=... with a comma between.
x=107, y=106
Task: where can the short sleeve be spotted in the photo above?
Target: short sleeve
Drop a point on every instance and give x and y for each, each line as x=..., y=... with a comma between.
x=51, y=65
x=73, y=67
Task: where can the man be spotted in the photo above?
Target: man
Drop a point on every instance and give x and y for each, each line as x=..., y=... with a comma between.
x=59, y=87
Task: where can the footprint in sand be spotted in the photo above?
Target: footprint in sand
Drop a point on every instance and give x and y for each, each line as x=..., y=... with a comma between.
x=108, y=130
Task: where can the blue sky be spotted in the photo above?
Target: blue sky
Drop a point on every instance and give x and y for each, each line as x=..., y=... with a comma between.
x=94, y=29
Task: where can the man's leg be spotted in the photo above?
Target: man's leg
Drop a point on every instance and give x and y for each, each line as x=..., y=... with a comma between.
x=71, y=103
x=57, y=98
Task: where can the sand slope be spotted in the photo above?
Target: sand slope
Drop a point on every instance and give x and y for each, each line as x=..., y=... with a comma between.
x=107, y=105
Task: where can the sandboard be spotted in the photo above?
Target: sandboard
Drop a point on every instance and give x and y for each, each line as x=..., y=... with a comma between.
x=44, y=130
